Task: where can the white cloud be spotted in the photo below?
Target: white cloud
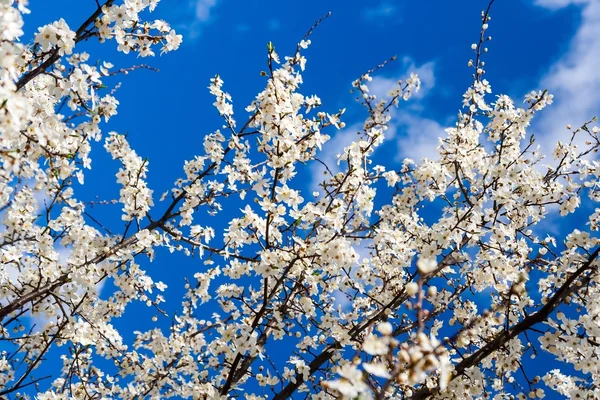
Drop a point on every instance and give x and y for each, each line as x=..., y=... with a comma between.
x=198, y=13
x=574, y=79
x=342, y=300
x=415, y=136
x=555, y=4
x=328, y=155
x=418, y=137
x=383, y=10
x=381, y=86
x=203, y=9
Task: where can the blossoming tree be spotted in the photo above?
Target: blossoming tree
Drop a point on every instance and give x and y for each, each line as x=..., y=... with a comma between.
x=259, y=318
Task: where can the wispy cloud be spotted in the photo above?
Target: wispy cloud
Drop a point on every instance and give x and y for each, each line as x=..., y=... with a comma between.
x=380, y=86
x=574, y=78
x=415, y=135
x=382, y=11
x=412, y=134
x=331, y=149
x=198, y=14
x=555, y=4
x=203, y=9
x=418, y=137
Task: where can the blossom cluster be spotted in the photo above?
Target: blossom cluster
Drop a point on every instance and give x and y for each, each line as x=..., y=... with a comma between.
x=432, y=278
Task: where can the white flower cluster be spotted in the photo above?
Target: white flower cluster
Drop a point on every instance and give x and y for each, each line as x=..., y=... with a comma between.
x=408, y=364
x=11, y=29
x=416, y=251
x=135, y=194
x=57, y=34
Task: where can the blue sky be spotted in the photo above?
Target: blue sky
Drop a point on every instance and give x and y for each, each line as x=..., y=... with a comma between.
x=544, y=44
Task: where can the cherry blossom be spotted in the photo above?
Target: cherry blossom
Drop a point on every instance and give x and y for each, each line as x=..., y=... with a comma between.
x=428, y=278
